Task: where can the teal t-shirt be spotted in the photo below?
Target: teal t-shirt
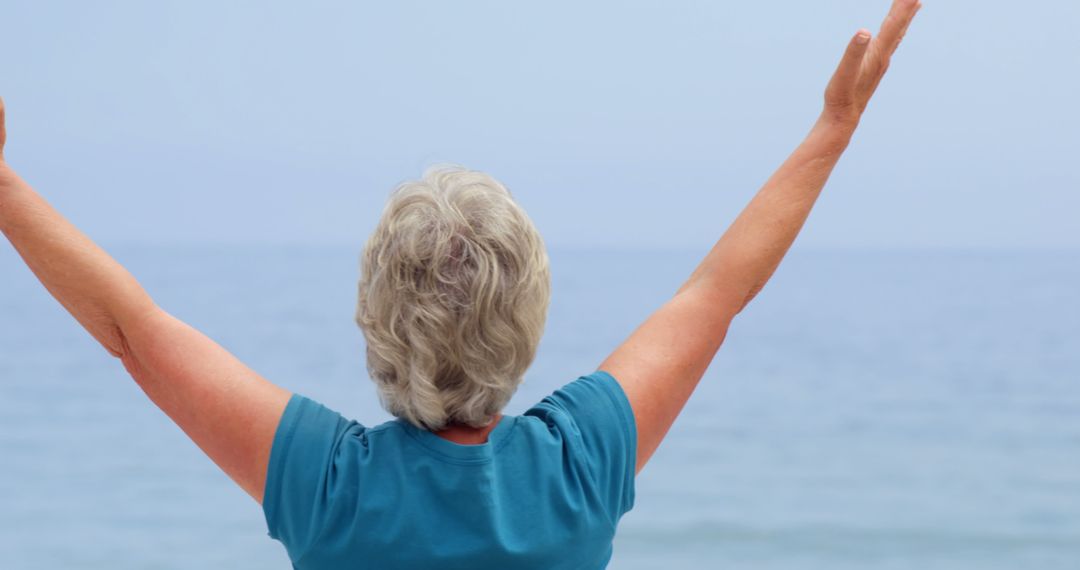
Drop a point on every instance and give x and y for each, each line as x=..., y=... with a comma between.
x=546, y=491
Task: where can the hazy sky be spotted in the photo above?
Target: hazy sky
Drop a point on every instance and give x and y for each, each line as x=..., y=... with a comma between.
x=636, y=123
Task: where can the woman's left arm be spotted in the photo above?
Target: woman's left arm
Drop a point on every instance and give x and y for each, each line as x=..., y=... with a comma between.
x=229, y=410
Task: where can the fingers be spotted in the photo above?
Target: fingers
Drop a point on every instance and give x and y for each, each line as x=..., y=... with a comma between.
x=896, y=24
x=841, y=90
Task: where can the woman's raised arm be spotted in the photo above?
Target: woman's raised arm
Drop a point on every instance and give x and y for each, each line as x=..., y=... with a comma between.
x=225, y=407
x=660, y=364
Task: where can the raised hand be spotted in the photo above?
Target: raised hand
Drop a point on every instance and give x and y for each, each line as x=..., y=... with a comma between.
x=659, y=365
x=864, y=64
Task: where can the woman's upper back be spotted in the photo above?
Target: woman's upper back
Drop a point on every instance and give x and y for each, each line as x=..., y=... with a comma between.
x=545, y=491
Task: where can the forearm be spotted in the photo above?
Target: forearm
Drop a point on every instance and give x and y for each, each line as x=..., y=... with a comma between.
x=748, y=253
x=90, y=284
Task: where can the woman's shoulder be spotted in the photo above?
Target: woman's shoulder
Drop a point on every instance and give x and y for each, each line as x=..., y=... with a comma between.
x=582, y=396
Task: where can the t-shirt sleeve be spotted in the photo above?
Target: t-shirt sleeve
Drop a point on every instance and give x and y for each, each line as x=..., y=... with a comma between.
x=301, y=474
x=600, y=412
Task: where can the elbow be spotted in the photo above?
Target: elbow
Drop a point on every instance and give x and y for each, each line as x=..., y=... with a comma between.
x=115, y=342
x=124, y=325
x=723, y=298
x=117, y=332
x=750, y=296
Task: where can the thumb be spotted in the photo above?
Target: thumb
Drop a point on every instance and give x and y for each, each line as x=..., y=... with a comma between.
x=840, y=95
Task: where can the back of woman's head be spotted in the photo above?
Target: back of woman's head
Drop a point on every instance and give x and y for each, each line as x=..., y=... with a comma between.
x=453, y=298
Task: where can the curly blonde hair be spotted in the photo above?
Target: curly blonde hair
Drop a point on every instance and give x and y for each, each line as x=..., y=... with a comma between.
x=453, y=298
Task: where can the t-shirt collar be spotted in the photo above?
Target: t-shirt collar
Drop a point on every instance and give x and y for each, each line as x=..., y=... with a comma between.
x=472, y=452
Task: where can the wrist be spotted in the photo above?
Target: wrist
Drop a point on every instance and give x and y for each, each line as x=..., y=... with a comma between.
x=833, y=132
x=844, y=120
x=7, y=175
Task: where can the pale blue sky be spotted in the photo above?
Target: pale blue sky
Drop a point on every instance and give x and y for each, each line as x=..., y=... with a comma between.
x=647, y=124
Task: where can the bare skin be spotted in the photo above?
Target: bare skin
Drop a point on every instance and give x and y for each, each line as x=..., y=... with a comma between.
x=231, y=412
x=660, y=364
x=468, y=435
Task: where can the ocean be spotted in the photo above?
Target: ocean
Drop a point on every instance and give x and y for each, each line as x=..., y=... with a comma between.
x=871, y=409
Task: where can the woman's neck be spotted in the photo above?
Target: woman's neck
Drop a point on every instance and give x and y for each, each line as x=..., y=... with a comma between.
x=467, y=435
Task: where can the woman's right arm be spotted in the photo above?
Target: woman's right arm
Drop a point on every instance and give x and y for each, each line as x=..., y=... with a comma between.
x=229, y=410
x=661, y=362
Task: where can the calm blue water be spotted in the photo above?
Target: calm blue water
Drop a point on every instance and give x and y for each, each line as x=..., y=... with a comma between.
x=869, y=410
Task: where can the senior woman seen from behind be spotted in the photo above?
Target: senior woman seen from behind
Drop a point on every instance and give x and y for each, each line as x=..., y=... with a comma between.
x=453, y=297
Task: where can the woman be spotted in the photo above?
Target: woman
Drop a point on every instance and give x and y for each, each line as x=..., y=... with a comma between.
x=452, y=303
